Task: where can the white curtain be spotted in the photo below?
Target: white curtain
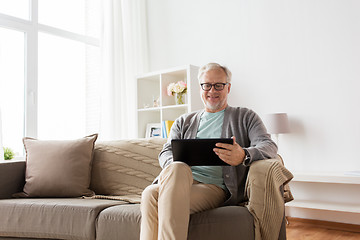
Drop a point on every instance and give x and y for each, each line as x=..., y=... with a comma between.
x=124, y=55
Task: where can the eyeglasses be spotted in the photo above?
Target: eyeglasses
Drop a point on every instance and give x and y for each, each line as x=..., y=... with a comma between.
x=217, y=86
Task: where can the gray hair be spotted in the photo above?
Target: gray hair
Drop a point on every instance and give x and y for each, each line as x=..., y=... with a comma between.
x=210, y=66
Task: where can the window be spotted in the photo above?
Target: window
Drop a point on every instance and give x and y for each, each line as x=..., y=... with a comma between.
x=81, y=16
x=49, y=69
x=12, y=87
x=15, y=8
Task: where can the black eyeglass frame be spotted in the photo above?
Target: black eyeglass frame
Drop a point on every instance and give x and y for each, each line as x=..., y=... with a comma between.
x=214, y=85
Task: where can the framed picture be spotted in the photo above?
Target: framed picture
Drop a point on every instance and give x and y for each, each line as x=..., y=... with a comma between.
x=153, y=130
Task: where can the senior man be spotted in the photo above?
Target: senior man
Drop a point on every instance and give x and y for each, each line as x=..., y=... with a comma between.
x=182, y=190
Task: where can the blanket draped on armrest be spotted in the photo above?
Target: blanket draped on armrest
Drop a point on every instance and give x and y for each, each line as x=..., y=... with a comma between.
x=266, y=201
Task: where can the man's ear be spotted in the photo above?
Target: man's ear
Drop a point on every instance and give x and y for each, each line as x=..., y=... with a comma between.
x=229, y=86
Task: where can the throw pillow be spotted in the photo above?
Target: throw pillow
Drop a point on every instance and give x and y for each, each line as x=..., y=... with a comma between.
x=58, y=168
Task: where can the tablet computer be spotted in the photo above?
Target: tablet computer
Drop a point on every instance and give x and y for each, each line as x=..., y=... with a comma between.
x=198, y=152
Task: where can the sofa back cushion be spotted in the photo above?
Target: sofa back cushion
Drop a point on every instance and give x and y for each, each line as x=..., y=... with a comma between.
x=125, y=167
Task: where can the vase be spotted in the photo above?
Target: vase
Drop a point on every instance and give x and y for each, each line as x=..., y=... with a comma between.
x=179, y=98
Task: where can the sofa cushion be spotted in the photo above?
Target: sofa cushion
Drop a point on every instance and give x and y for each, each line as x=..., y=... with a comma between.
x=57, y=218
x=123, y=222
x=119, y=222
x=58, y=168
x=228, y=223
x=125, y=167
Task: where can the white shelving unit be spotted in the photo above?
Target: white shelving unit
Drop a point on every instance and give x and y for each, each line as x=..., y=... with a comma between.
x=153, y=103
x=322, y=196
x=327, y=177
x=323, y=205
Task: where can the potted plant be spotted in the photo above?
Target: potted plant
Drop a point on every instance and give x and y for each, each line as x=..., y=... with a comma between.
x=8, y=153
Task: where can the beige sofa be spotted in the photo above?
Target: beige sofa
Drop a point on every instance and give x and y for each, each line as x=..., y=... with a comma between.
x=120, y=171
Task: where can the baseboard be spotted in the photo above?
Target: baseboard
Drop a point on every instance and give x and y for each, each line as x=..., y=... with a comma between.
x=325, y=224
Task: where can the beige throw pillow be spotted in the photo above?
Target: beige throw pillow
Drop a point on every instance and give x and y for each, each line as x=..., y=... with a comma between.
x=58, y=168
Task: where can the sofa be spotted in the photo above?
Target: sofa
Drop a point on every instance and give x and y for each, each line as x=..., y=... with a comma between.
x=120, y=170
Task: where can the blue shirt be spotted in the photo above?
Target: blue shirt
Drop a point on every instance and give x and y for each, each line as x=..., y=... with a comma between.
x=210, y=126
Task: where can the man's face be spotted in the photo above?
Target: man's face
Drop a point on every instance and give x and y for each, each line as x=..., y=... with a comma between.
x=215, y=100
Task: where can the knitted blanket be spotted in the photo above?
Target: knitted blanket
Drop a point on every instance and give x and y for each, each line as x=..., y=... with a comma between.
x=266, y=201
x=125, y=199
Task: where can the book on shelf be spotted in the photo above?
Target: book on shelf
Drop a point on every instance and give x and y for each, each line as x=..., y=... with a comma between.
x=163, y=127
x=166, y=126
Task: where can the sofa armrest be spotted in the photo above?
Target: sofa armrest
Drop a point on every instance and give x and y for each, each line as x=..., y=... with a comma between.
x=12, y=178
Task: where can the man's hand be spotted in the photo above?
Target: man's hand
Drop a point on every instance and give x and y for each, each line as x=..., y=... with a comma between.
x=232, y=154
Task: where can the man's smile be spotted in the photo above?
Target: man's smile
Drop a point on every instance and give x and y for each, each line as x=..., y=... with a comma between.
x=212, y=97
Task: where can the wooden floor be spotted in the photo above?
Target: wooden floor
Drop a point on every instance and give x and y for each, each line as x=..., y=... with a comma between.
x=300, y=229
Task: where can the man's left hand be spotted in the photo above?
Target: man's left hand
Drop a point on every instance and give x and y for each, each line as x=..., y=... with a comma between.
x=232, y=154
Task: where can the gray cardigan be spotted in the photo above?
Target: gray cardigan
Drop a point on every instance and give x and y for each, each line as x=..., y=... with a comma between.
x=250, y=134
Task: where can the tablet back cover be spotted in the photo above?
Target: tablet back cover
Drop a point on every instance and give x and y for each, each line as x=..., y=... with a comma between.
x=198, y=152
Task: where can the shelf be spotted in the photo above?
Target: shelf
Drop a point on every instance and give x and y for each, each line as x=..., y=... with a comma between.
x=171, y=71
x=175, y=106
x=326, y=177
x=318, y=194
x=152, y=91
x=149, y=109
x=184, y=106
x=322, y=205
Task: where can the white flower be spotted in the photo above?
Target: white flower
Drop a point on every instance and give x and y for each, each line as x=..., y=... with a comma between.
x=170, y=89
x=179, y=87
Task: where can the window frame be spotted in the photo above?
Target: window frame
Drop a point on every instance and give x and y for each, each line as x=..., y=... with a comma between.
x=31, y=28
